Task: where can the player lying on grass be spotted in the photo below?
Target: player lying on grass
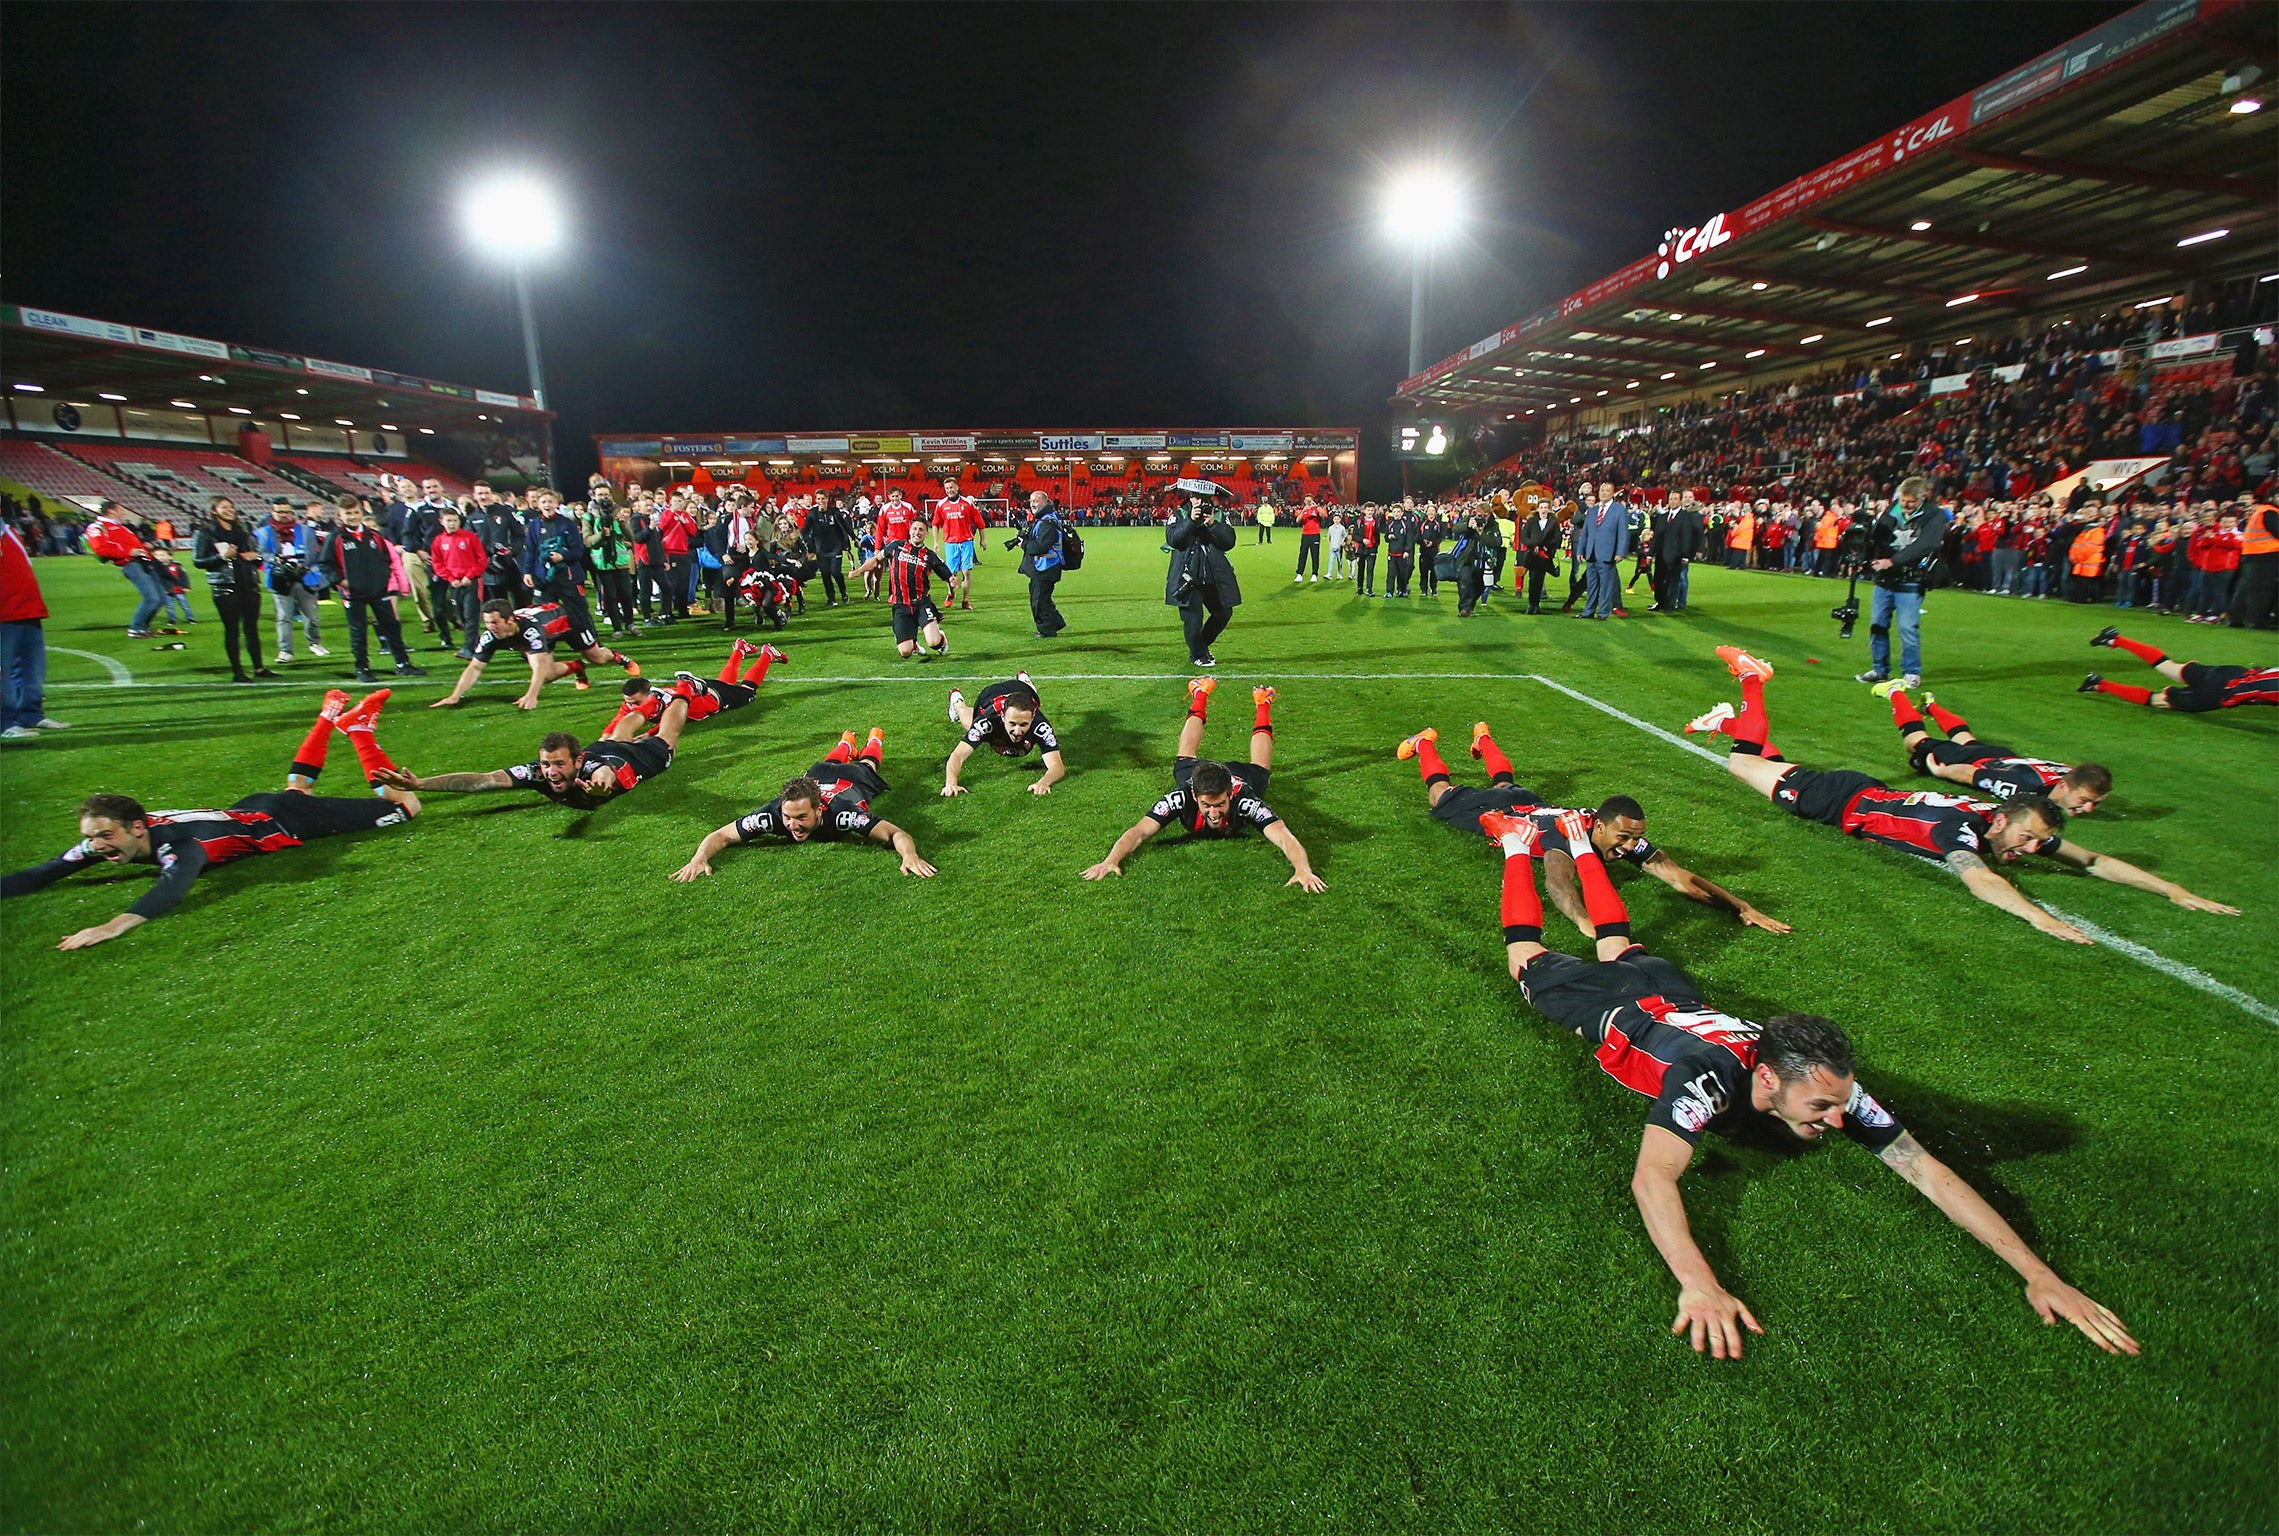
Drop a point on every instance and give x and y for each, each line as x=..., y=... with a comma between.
x=1618, y=828
x=1708, y=1071
x=830, y=802
x=632, y=751
x=705, y=697
x=1217, y=799
x=115, y=829
x=533, y=632
x=1962, y=758
x=1009, y=719
x=1961, y=833
x=2199, y=688
x=909, y=568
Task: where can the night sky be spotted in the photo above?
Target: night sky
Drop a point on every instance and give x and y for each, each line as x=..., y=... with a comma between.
x=912, y=216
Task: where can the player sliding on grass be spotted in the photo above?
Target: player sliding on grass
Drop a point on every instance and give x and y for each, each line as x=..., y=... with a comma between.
x=115, y=829
x=1009, y=719
x=533, y=632
x=829, y=802
x=632, y=751
x=1963, y=834
x=1618, y=828
x=1655, y=1034
x=1217, y=799
x=1962, y=758
x=704, y=697
x=2199, y=689
x=909, y=567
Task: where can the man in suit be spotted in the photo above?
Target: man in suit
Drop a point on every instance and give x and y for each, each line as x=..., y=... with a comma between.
x=1678, y=540
x=1201, y=582
x=1535, y=543
x=1602, y=539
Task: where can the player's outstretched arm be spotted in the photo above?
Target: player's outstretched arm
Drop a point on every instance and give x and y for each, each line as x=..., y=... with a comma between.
x=1139, y=832
x=444, y=783
x=1995, y=891
x=541, y=672
x=904, y=845
x=956, y=765
x=2105, y=867
x=1056, y=769
x=1301, y=868
x=1967, y=1209
x=1708, y=892
x=103, y=933
x=1709, y=1314
x=40, y=876
x=467, y=677
x=700, y=862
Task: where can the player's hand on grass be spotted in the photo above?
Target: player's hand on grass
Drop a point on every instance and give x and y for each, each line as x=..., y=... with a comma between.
x=949, y=790
x=913, y=865
x=2192, y=903
x=2057, y=928
x=85, y=938
x=396, y=778
x=446, y=702
x=1103, y=870
x=693, y=868
x=1752, y=918
x=1040, y=787
x=1308, y=881
x=1714, y=1317
x=526, y=702
x=2054, y=1299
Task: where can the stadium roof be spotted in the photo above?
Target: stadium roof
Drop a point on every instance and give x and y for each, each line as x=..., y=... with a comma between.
x=49, y=355
x=2092, y=175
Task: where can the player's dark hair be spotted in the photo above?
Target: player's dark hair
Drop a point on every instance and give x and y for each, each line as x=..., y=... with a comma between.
x=802, y=788
x=1618, y=806
x=558, y=741
x=2094, y=777
x=123, y=809
x=2042, y=808
x=500, y=606
x=1793, y=1044
x=1211, y=779
x=636, y=686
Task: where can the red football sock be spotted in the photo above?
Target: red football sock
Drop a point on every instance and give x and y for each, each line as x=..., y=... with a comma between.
x=308, y=762
x=728, y=668
x=757, y=672
x=873, y=753
x=1773, y=754
x=1265, y=718
x=1904, y=714
x=1949, y=721
x=1750, y=727
x=1607, y=913
x=1522, y=906
x=844, y=752
x=1199, y=705
x=369, y=757
x=1492, y=756
x=619, y=658
x=2150, y=655
x=1428, y=763
x=2129, y=691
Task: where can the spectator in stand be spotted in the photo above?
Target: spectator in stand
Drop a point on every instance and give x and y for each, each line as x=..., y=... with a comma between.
x=226, y=550
x=357, y=562
x=1602, y=538
x=2086, y=558
x=1740, y=539
x=458, y=562
x=2217, y=562
x=111, y=538
x=1309, y=538
x=23, y=645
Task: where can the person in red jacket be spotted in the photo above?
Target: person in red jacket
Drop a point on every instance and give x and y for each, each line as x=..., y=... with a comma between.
x=678, y=531
x=23, y=645
x=456, y=561
x=1309, y=539
x=110, y=540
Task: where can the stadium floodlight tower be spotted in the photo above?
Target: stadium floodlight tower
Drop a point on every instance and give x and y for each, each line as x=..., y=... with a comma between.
x=1423, y=209
x=513, y=218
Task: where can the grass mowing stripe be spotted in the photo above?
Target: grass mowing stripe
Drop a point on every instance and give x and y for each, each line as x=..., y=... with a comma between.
x=2191, y=976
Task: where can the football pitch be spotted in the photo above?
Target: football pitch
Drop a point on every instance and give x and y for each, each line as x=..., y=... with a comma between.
x=474, y=1175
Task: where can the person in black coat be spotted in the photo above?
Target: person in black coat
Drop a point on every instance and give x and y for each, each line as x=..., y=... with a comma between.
x=1042, y=562
x=1200, y=582
x=1400, y=550
x=1537, y=540
x=1679, y=539
x=832, y=533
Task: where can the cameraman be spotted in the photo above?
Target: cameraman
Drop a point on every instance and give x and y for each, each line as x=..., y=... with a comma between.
x=1200, y=582
x=288, y=549
x=1903, y=543
x=1042, y=563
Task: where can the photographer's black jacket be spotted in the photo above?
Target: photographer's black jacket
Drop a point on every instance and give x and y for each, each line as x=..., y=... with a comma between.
x=1201, y=547
x=1913, y=541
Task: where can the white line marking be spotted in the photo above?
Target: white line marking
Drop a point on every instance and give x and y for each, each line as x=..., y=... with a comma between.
x=120, y=676
x=935, y=677
x=2198, y=980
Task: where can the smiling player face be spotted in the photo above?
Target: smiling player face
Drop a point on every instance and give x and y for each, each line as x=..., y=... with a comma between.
x=1810, y=1106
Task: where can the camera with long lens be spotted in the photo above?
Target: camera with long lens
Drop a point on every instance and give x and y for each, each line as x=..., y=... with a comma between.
x=1865, y=542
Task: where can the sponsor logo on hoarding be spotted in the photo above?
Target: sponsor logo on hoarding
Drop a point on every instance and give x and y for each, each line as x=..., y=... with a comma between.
x=1680, y=246
x=167, y=341
x=1068, y=442
x=74, y=325
x=1910, y=141
x=1332, y=440
x=1264, y=442
x=2182, y=346
x=878, y=445
x=693, y=445
x=950, y=444
x=267, y=359
x=815, y=445
x=1195, y=439
x=751, y=445
x=339, y=370
x=1139, y=440
x=493, y=397
x=631, y=447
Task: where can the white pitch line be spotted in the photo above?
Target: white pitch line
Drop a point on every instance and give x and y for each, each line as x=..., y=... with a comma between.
x=928, y=676
x=2191, y=976
x=120, y=676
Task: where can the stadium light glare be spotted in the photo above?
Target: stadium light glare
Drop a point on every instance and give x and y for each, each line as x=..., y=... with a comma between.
x=2152, y=303
x=512, y=217
x=287, y=416
x=1957, y=303
x=342, y=421
x=183, y=405
x=2271, y=278
x=1963, y=341
x=2202, y=239
x=1919, y=225
x=2245, y=105
x=1759, y=352
x=1757, y=287
x=1815, y=336
x=2066, y=272
x=300, y=391
x=239, y=410
x=107, y=395
x=1423, y=207
x=1879, y=320
x=1710, y=364
x=1670, y=375
x=29, y=389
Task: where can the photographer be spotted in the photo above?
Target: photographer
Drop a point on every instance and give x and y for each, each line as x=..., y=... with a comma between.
x=1200, y=582
x=225, y=551
x=1902, y=548
x=290, y=547
x=1041, y=562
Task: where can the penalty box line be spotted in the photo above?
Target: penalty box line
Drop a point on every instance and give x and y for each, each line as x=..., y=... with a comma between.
x=2191, y=976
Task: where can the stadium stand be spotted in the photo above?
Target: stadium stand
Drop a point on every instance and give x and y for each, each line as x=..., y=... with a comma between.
x=192, y=475
x=38, y=467
x=358, y=478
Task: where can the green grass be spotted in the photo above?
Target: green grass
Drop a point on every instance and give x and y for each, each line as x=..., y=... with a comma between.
x=477, y=1176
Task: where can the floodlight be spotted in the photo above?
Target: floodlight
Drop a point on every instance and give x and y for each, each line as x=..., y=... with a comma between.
x=513, y=217
x=1423, y=208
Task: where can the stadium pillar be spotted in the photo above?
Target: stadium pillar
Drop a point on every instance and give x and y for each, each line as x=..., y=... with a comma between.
x=530, y=348
x=1416, y=312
